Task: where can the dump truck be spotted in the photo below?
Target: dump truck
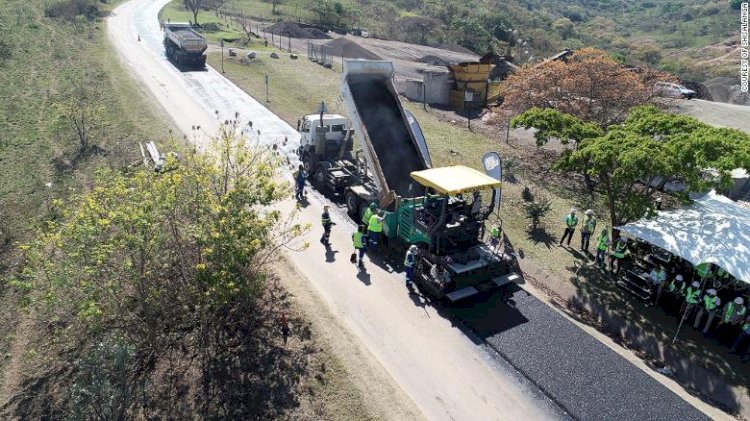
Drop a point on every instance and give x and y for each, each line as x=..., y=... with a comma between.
x=184, y=46
x=423, y=206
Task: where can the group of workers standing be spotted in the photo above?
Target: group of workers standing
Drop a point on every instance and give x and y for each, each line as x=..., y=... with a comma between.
x=691, y=300
x=603, y=242
x=704, y=307
x=369, y=234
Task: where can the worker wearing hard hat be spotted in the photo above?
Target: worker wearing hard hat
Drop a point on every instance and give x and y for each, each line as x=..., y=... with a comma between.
x=369, y=212
x=658, y=277
x=587, y=230
x=709, y=306
x=571, y=220
x=409, y=261
x=602, y=245
x=692, y=298
x=618, y=255
x=733, y=313
x=375, y=227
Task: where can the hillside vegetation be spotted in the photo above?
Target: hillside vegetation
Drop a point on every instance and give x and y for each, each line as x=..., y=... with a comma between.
x=669, y=34
x=126, y=294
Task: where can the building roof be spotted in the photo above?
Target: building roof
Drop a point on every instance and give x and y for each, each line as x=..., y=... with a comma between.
x=455, y=179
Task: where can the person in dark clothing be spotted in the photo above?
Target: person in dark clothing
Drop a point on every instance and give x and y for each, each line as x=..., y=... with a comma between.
x=571, y=220
x=325, y=220
x=299, y=182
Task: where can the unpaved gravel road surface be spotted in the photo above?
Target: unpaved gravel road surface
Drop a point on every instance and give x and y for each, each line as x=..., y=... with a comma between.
x=715, y=113
x=446, y=374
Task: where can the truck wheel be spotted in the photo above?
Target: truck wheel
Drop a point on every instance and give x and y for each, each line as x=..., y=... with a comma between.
x=319, y=178
x=352, y=205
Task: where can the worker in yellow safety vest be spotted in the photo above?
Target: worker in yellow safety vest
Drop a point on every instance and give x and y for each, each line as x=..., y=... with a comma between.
x=571, y=221
x=359, y=240
x=495, y=238
x=692, y=297
x=602, y=245
x=710, y=306
x=677, y=286
x=369, y=212
x=658, y=277
x=374, y=228
x=734, y=312
x=587, y=230
x=618, y=255
x=704, y=270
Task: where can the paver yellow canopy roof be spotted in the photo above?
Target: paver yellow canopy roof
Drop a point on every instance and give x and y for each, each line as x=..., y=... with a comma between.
x=455, y=179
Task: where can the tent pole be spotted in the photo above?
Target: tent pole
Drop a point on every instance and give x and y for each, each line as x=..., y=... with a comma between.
x=682, y=320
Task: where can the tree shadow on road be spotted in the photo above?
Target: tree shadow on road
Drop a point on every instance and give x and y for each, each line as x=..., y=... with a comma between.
x=698, y=363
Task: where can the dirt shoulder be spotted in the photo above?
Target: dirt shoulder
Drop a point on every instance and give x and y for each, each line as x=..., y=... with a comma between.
x=358, y=380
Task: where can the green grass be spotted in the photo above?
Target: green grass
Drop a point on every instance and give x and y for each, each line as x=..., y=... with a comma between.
x=290, y=95
x=297, y=86
x=214, y=27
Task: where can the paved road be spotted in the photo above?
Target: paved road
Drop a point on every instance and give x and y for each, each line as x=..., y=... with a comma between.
x=544, y=366
x=582, y=375
x=446, y=374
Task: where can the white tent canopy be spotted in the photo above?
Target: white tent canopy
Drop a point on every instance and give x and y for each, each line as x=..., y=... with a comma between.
x=713, y=229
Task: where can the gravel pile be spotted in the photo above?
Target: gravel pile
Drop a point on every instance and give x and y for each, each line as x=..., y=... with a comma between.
x=349, y=49
x=291, y=29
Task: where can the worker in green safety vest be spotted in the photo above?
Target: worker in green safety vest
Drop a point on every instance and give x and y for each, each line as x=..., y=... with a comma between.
x=677, y=286
x=587, y=230
x=602, y=245
x=359, y=240
x=703, y=270
x=369, y=212
x=374, y=228
x=734, y=312
x=658, y=277
x=571, y=221
x=744, y=334
x=495, y=238
x=711, y=304
x=692, y=297
x=618, y=255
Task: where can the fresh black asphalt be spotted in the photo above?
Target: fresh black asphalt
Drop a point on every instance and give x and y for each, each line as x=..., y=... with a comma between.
x=588, y=380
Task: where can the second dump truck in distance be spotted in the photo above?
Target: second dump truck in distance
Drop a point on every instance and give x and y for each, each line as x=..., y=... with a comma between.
x=184, y=46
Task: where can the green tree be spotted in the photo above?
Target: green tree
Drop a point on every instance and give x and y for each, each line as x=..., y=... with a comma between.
x=564, y=27
x=649, y=54
x=626, y=159
x=550, y=123
x=166, y=261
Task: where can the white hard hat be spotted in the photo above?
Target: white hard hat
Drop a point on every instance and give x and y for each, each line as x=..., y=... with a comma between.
x=572, y=210
x=678, y=278
x=413, y=248
x=696, y=284
x=739, y=301
x=711, y=291
x=589, y=212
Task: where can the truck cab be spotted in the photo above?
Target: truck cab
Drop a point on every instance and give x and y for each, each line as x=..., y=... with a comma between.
x=335, y=127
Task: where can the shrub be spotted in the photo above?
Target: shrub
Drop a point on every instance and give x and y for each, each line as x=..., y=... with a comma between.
x=527, y=195
x=537, y=210
x=69, y=9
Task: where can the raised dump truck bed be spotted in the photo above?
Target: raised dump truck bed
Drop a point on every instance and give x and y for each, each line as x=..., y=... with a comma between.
x=184, y=45
x=382, y=127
